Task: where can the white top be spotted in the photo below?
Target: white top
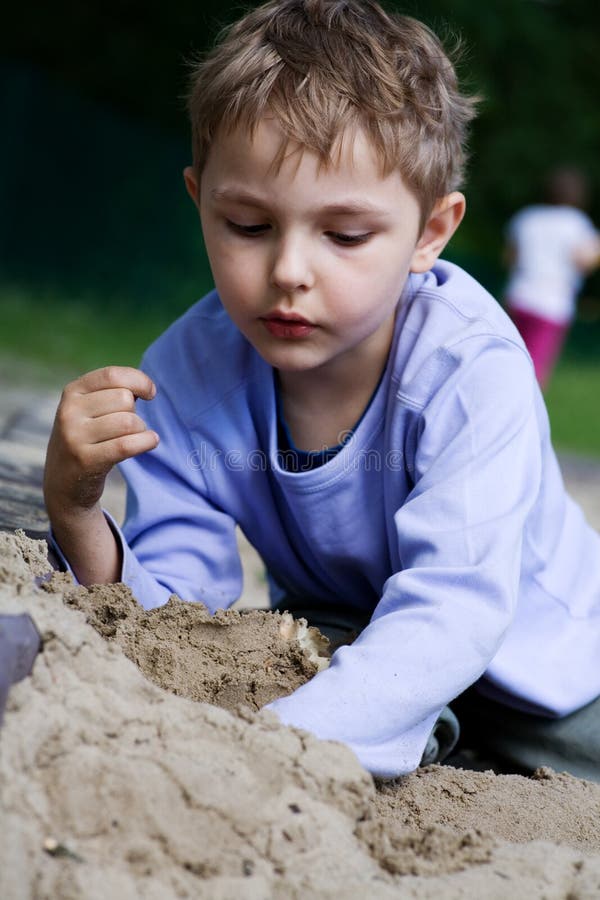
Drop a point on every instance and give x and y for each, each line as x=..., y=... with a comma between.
x=545, y=278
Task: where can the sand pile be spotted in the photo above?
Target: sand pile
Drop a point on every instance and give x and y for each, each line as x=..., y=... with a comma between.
x=230, y=659
x=112, y=786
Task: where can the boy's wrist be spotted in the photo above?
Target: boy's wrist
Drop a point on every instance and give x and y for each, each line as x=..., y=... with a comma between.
x=89, y=545
x=74, y=522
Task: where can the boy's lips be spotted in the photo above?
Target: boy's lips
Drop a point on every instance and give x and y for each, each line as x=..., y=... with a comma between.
x=287, y=325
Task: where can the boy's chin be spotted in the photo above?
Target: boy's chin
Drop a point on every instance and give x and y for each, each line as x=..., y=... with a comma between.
x=287, y=359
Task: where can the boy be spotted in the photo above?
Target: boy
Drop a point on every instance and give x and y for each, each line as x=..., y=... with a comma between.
x=368, y=416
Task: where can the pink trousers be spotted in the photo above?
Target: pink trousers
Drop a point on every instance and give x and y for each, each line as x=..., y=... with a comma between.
x=543, y=338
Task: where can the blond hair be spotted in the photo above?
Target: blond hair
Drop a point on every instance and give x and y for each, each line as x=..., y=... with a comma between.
x=321, y=67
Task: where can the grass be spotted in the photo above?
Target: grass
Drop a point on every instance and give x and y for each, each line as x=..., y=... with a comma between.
x=54, y=341
x=573, y=392
x=50, y=341
x=574, y=408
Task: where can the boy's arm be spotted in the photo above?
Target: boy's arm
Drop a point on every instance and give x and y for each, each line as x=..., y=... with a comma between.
x=442, y=617
x=95, y=428
x=182, y=543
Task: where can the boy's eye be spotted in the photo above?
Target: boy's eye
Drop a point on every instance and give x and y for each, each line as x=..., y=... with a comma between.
x=348, y=240
x=247, y=230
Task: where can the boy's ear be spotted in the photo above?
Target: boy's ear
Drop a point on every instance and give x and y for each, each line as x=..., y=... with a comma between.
x=191, y=184
x=443, y=221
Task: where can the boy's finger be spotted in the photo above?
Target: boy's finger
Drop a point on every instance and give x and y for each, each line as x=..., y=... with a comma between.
x=113, y=425
x=111, y=377
x=114, y=451
x=105, y=402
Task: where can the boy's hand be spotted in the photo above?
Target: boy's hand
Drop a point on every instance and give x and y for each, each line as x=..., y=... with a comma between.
x=95, y=427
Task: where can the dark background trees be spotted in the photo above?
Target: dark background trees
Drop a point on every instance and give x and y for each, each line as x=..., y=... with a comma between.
x=95, y=134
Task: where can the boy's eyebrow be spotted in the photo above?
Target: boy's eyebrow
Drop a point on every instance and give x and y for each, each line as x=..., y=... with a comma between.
x=345, y=207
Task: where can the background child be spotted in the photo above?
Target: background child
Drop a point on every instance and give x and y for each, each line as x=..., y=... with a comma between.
x=550, y=246
x=367, y=415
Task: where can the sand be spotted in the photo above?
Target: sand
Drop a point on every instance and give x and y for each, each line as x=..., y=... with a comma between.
x=119, y=779
x=229, y=659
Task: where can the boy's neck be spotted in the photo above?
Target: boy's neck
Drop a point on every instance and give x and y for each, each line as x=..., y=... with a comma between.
x=321, y=404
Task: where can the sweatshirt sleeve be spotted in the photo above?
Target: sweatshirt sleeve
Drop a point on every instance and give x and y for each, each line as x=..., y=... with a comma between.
x=175, y=539
x=441, y=617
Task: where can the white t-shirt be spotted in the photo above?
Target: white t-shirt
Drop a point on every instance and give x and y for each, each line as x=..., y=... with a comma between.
x=544, y=279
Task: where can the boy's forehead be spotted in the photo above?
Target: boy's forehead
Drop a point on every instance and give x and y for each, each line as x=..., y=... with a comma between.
x=241, y=156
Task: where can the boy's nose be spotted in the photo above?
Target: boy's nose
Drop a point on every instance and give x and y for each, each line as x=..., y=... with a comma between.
x=292, y=269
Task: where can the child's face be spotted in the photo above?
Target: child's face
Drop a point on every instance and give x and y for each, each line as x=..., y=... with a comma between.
x=330, y=246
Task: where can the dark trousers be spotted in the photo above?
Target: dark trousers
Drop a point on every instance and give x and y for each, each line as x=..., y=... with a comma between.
x=522, y=742
x=516, y=741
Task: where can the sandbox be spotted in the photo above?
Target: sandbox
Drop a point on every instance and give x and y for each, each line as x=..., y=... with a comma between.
x=135, y=763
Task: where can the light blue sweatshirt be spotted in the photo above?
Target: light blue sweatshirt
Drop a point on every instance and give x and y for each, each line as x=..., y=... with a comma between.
x=444, y=515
